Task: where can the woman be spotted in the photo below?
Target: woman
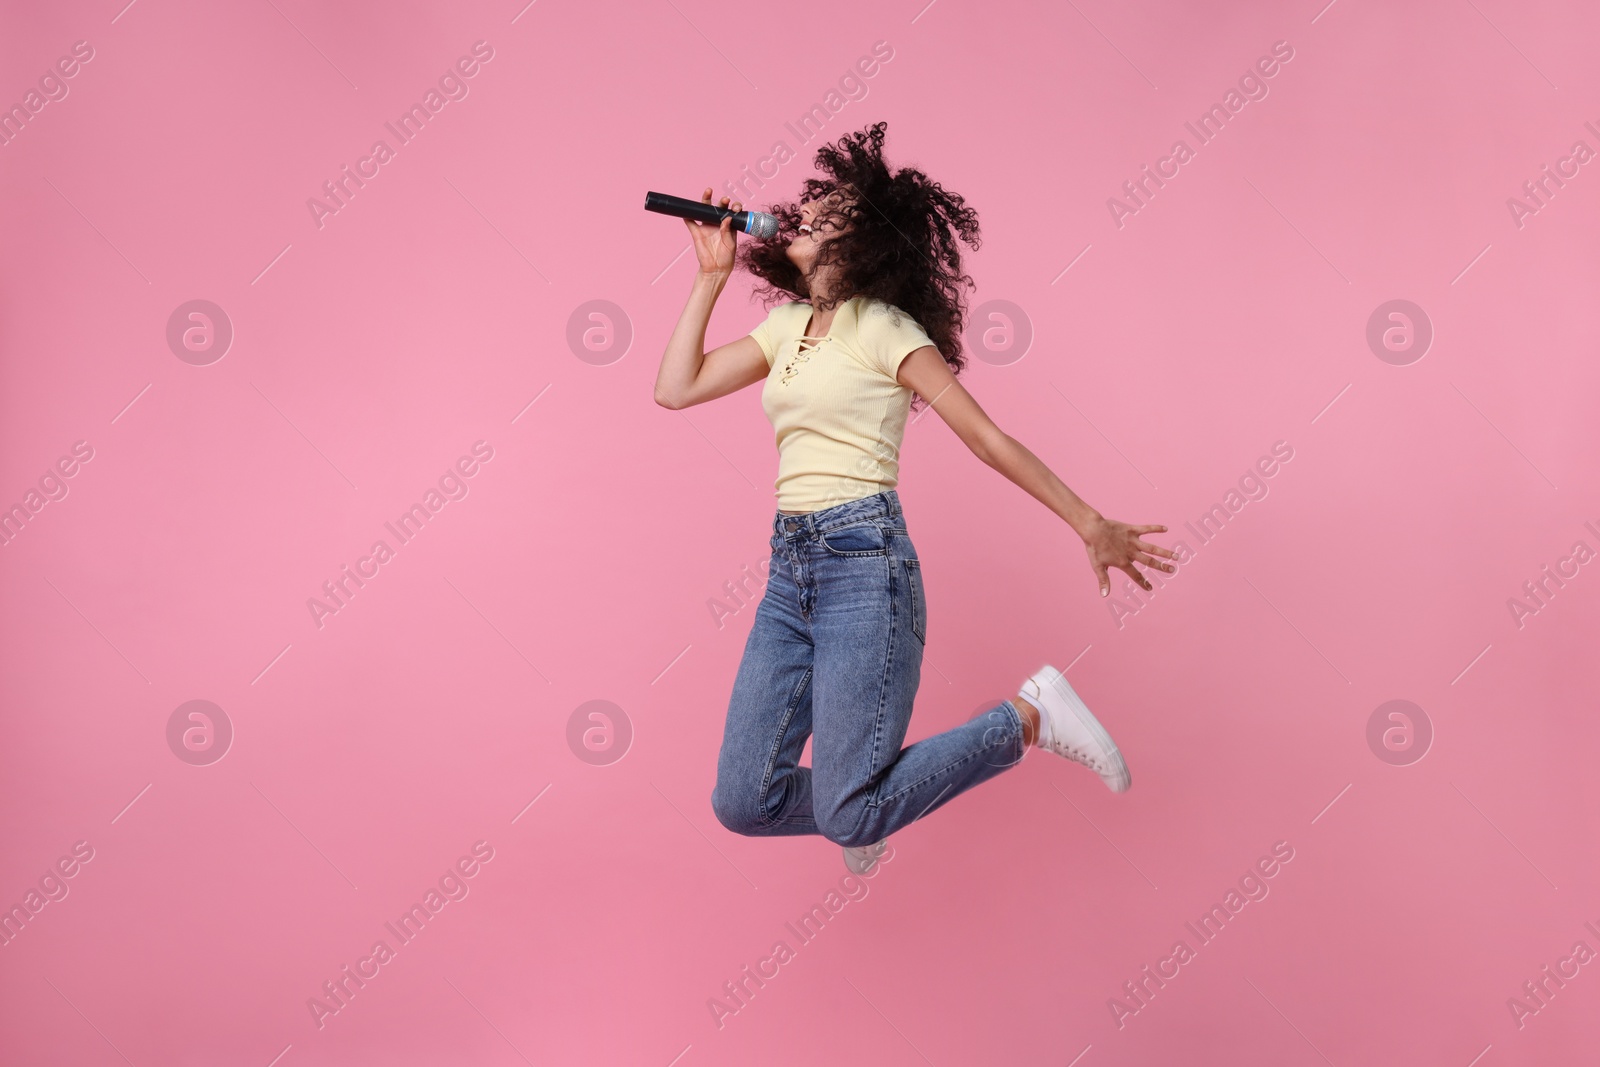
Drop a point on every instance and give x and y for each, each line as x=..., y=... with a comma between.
x=835, y=651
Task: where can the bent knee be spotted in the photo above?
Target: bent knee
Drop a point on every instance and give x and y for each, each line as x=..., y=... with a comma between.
x=848, y=829
x=736, y=810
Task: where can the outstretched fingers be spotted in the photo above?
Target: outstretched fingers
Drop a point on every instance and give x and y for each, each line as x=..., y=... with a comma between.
x=1145, y=546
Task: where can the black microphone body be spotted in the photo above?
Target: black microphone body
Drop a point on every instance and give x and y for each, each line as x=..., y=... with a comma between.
x=756, y=223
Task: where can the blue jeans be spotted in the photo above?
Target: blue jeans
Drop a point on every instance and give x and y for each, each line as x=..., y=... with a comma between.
x=836, y=652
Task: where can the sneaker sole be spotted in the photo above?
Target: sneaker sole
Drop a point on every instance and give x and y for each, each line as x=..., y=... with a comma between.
x=856, y=866
x=1121, y=779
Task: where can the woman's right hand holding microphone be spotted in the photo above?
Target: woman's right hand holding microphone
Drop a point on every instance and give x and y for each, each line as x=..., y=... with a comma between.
x=714, y=246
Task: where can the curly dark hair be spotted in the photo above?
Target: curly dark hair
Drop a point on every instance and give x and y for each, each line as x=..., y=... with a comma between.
x=900, y=245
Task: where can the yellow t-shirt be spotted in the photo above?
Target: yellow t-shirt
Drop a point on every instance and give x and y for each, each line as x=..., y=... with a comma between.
x=837, y=412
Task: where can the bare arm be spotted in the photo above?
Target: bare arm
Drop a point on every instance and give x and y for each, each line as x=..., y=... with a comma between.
x=689, y=374
x=1109, y=543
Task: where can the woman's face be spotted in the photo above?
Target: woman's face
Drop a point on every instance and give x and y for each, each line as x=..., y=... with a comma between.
x=816, y=224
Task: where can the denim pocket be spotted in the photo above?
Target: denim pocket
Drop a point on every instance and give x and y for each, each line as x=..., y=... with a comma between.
x=859, y=539
x=919, y=603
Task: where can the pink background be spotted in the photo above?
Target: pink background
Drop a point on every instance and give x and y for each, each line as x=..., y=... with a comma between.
x=369, y=354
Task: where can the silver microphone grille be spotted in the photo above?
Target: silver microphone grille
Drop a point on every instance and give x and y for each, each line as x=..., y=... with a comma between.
x=762, y=225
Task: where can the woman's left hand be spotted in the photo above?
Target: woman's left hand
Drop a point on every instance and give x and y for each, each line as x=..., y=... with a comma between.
x=1116, y=544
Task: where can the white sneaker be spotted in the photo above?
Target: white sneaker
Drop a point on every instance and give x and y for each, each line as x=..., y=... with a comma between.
x=1071, y=731
x=862, y=858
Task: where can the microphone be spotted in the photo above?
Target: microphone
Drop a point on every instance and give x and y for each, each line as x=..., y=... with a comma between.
x=756, y=223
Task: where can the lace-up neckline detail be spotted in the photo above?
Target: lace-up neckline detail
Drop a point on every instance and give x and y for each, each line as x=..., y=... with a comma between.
x=805, y=346
x=815, y=342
